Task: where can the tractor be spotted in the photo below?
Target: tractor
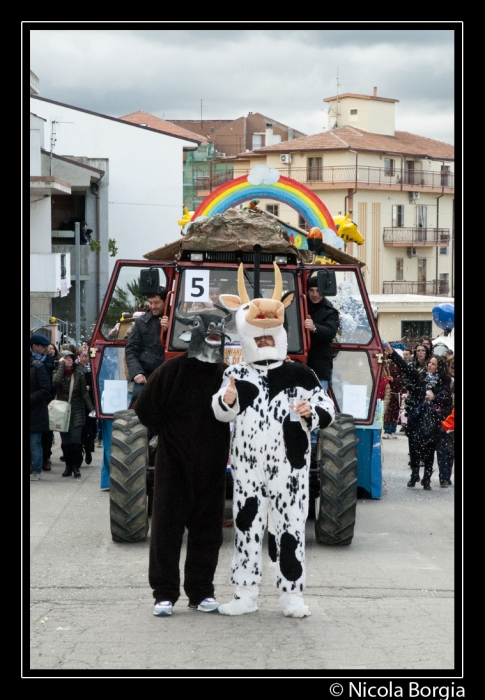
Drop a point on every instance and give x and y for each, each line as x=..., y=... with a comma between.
x=195, y=270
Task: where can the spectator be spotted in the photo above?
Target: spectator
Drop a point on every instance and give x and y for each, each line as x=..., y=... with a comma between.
x=144, y=351
x=445, y=453
x=88, y=434
x=39, y=346
x=407, y=354
x=434, y=387
x=391, y=414
x=84, y=238
x=40, y=393
x=71, y=442
x=426, y=340
x=421, y=358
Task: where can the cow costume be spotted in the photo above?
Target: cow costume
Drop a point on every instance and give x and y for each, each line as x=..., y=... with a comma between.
x=190, y=466
x=270, y=450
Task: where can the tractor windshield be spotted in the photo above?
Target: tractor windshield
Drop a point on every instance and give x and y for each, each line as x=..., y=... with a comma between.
x=199, y=292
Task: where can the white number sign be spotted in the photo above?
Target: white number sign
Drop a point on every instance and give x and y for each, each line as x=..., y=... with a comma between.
x=197, y=285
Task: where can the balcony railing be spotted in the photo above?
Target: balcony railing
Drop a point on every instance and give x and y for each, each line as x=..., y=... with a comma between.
x=430, y=288
x=363, y=174
x=335, y=175
x=416, y=237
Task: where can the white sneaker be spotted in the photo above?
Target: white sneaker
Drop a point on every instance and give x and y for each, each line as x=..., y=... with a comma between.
x=293, y=605
x=386, y=436
x=394, y=436
x=35, y=476
x=207, y=605
x=244, y=601
x=164, y=607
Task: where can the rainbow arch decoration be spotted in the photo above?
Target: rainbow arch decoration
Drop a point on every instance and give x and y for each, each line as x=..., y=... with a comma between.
x=285, y=190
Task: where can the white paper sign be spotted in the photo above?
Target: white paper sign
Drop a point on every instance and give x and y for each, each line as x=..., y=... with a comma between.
x=197, y=285
x=354, y=400
x=115, y=395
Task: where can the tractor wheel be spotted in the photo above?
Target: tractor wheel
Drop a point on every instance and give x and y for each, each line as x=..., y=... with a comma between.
x=337, y=453
x=128, y=501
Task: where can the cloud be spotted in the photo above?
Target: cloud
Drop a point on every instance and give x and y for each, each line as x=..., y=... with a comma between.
x=261, y=174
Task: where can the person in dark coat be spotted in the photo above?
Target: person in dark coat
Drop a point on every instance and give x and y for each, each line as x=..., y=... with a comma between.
x=391, y=416
x=433, y=387
x=88, y=434
x=40, y=392
x=144, y=351
x=40, y=350
x=71, y=445
x=323, y=325
x=190, y=467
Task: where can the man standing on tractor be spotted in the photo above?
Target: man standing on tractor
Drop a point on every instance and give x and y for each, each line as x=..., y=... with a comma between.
x=144, y=350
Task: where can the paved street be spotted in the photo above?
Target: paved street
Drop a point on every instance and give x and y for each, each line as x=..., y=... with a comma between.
x=384, y=604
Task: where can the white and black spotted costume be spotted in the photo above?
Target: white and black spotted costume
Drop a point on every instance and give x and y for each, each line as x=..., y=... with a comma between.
x=270, y=458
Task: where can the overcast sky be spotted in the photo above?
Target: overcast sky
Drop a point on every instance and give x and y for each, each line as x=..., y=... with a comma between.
x=283, y=73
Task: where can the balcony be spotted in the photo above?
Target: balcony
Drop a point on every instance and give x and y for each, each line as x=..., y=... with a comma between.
x=365, y=176
x=401, y=237
x=429, y=288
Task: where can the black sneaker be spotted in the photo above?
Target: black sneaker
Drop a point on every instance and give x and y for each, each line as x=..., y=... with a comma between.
x=445, y=483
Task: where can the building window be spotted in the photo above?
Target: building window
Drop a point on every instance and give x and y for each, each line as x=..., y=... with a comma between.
x=314, y=169
x=445, y=176
x=444, y=283
x=444, y=251
x=212, y=130
x=399, y=269
x=413, y=330
x=354, y=115
x=397, y=215
x=273, y=209
x=257, y=141
x=302, y=223
x=408, y=172
x=389, y=166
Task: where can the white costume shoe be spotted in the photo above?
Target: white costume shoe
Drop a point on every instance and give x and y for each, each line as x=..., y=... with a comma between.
x=293, y=605
x=244, y=601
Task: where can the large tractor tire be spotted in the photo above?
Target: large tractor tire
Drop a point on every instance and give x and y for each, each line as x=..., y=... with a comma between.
x=337, y=453
x=128, y=500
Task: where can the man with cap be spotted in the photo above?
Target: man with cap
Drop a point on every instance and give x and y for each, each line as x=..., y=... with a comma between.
x=38, y=346
x=274, y=405
x=40, y=394
x=323, y=323
x=144, y=351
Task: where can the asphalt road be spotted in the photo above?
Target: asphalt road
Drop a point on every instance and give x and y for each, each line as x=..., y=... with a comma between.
x=382, y=607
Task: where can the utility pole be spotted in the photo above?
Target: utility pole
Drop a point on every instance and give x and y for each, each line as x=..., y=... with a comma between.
x=77, y=241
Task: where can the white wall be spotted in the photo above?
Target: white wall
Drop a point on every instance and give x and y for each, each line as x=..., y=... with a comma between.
x=145, y=187
x=36, y=143
x=40, y=224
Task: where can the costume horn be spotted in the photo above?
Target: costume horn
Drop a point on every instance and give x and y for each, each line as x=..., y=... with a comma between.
x=241, y=285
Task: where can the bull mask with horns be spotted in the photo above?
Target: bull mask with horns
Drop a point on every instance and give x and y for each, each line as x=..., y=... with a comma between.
x=207, y=337
x=258, y=317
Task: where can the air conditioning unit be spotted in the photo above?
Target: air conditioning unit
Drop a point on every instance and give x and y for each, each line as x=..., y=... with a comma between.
x=413, y=195
x=412, y=252
x=286, y=157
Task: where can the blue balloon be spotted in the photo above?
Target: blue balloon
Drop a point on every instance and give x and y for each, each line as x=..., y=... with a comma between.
x=444, y=316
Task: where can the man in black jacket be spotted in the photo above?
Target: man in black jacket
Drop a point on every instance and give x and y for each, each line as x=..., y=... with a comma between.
x=323, y=326
x=144, y=351
x=40, y=392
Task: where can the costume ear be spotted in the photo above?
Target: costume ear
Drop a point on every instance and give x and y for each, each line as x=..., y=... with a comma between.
x=230, y=301
x=287, y=298
x=185, y=336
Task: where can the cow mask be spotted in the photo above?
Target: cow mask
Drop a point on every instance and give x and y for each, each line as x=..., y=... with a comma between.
x=207, y=337
x=260, y=317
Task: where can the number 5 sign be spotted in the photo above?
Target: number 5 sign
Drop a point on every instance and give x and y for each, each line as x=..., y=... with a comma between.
x=197, y=285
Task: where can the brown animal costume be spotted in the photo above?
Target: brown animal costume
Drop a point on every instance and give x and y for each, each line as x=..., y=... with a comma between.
x=190, y=467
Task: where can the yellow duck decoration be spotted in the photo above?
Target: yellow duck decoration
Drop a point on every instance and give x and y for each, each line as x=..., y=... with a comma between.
x=347, y=229
x=186, y=217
